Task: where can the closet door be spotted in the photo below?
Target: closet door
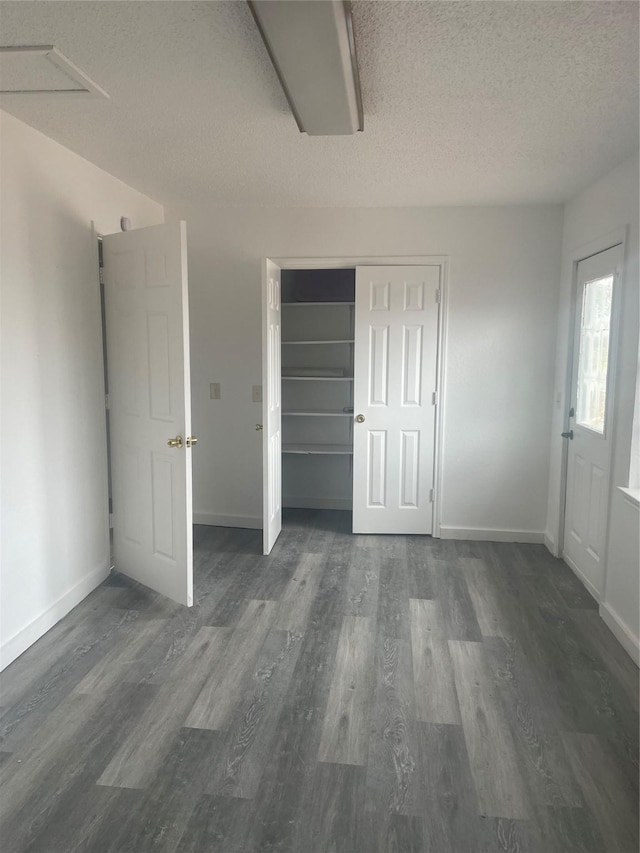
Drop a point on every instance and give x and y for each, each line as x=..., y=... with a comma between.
x=396, y=331
x=271, y=408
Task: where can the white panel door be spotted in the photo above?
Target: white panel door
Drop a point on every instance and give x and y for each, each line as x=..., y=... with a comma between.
x=147, y=321
x=271, y=408
x=589, y=435
x=396, y=334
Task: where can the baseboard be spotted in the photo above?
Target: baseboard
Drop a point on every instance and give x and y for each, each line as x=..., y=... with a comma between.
x=27, y=636
x=550, y=543
x=582, y=578
x=318, y=503
x=216, y=519
x=623, y=634
x=485, y=534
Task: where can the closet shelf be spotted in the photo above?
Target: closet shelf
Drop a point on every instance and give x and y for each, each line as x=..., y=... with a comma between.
x=345, y=341
x=315, y=304
x=318, y=413
x=319, y=449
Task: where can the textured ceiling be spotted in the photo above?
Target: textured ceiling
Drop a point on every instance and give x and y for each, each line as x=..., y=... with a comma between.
x=465, y=102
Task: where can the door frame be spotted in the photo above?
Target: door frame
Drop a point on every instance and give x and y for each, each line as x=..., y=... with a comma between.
x=352, y=261
x=617, y=237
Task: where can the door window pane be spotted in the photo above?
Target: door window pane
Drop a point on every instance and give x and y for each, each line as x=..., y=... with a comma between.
x=594, y=353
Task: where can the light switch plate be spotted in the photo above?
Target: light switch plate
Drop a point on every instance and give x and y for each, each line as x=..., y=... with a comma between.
x=214, y=390
x=256, y=393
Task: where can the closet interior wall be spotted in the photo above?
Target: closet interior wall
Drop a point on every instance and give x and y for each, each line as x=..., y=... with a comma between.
x=317, y=388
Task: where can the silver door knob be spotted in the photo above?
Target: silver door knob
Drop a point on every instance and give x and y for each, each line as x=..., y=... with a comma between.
x=258, y=427
x=175, y=442
x=360, y=419
x=568, y=435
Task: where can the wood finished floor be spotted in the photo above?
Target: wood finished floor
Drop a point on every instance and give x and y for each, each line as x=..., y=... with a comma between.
x=347, y=694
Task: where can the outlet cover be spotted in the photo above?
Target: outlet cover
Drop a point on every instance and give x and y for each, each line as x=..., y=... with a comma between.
x=214, y=390
x=256, y=393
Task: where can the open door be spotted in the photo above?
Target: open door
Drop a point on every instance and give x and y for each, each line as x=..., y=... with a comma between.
x=147, y=320
x=271, y=407
x=590, y=427
x=395, y=374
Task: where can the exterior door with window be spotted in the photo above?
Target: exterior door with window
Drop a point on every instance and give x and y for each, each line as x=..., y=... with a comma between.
x=590, y=423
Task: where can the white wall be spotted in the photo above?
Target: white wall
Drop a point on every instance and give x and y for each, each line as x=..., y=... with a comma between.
x=53, y=454
x=608, y=205
x=503, y=282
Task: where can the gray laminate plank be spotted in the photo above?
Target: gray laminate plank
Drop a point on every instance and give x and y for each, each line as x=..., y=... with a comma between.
x=158, y=661
x=608, y=652
x=611, y=718
x=334, y=811
x=115, y=666
x=222, y=691
x=393, y=767
x=393, y=618
x=419, y=574
x=19, y=774
x=297, y=599
x=390, y=833
x=323, y=532
x=543, y=761
x=455, y=602
x=363, y=583
x=34, y=668
x=147, y=741
x=345, y=731
x=574, y=593
x=217, y=825
x=248, y=747
x=449, y=801
x=274, y=575
x=435, y=689
x=230, y=604
x=487, y=606
x=611, y=801
x=23, y=719
x=44, y=784
x=277, y=807
x=503, y=835
x=158, y=819
x=492, y=755
x=567, y=830
x=75, y=823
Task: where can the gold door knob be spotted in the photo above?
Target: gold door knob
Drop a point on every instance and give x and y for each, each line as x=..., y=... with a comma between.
x=191, y=441
x=360, y=419
x=258, y=427
x=175, y=442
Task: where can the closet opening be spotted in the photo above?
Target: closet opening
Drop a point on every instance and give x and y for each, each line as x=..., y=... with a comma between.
x=352, y=364
x=317, y=376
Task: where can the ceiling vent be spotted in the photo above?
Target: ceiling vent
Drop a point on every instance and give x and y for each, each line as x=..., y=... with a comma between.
x=43, y=70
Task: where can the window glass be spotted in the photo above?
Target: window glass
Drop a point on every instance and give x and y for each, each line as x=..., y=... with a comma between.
x=594, y=353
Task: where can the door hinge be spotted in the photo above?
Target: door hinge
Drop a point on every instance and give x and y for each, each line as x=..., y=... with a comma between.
x=101, y=274
x=106, y=402
x=437, y=296
x=432, y=495
x=110, y=521
x=434, y=398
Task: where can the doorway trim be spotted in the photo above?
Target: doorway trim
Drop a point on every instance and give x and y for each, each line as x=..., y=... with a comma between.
x=352, y=261
x=617, y=237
